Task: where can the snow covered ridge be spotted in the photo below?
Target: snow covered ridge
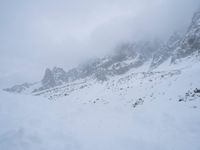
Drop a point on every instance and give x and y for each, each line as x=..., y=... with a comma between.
x=145, y=56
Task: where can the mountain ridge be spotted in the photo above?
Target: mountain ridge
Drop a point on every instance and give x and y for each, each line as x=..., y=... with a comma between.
x=127, y=56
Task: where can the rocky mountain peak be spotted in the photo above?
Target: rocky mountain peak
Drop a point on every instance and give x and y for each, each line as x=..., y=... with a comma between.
x=60, y=75
x=53, y=77
x=190, y=43
x=58, y=70
x=48, y=79
x=196, y=19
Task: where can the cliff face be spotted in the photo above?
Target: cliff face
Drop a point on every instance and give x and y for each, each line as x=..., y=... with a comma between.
x=166, y=51
x=52, y=78
x=190, y=43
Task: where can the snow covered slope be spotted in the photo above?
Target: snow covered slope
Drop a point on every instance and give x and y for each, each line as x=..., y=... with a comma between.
x=153, y=111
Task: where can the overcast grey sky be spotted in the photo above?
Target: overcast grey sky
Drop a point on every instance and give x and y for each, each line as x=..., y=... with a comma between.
x=35, y=34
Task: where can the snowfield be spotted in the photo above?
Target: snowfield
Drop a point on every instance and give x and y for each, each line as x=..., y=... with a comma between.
x=157, y=110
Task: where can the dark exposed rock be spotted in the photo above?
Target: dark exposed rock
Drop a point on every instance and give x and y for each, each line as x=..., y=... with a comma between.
x=140, y=101
x=166, y=51
x=190, y=43
x=197, y=90
x=48, y=79
x=18, y=88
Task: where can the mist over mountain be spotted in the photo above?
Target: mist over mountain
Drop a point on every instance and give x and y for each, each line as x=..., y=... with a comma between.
x=107, y=75
x=65, y=33
x=126, y=56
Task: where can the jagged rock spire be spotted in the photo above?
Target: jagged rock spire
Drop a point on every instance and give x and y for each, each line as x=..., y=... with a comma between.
x=48, y=79
x=53, y=77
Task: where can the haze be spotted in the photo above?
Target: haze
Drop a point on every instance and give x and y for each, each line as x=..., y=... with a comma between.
x=39, y=34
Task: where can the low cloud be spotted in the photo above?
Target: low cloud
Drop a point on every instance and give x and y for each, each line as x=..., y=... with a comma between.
x=39, y=34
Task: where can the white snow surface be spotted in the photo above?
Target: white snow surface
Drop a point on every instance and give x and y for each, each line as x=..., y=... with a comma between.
x=135, y=111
